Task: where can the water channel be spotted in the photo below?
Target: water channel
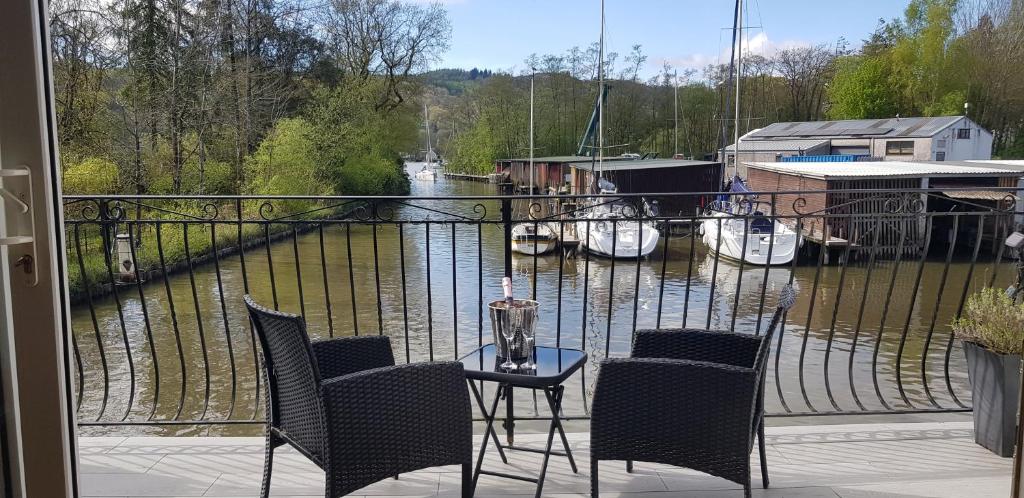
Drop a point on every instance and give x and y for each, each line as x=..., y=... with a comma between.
x=818, y=336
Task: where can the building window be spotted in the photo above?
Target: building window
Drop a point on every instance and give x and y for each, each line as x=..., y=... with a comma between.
x=899, y=148
x=963, y=134
x=940, y=156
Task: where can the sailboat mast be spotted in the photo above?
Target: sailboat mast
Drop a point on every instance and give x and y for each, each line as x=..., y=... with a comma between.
x=723, y=136
x=532, y=75
x=600, y=100
x=675, y=109
x=739, y=81
x=426, y=125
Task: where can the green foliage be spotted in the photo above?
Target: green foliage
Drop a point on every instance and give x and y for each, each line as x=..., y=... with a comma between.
x=356, y=144
x=992, y=320
x=861, y=88
x=474, y=152
x=92, y=176
x=285, y=163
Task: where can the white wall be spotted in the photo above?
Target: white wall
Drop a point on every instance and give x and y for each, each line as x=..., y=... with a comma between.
x=979, y=146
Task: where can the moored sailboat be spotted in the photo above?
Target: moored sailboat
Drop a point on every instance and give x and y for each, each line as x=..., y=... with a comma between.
x=736, y=227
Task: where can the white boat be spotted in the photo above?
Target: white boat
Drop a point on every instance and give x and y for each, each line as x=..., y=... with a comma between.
x=426, y=174
x=533, y=238
x=607, y=228
x=612, y=230
x=729, y=223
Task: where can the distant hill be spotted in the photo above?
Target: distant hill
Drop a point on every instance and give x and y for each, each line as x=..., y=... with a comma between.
x=456, y=81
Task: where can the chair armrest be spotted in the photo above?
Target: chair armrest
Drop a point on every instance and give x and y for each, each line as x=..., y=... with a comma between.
x=698, y=345
x=668, y=411
x=397, y=419
x=345, y=355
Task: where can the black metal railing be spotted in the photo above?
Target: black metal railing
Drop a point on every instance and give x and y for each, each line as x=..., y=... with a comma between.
x=160, y=334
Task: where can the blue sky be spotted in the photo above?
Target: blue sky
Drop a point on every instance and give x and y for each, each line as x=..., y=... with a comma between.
x=499, y=34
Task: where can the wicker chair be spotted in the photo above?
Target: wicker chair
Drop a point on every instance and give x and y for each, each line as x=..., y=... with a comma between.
x=345, y=405
x=689, y=398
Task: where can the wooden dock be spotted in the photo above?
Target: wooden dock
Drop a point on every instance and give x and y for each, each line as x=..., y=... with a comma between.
x=470, y=178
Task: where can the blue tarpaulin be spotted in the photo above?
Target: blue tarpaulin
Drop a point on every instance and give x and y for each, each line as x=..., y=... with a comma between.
x=833, y=158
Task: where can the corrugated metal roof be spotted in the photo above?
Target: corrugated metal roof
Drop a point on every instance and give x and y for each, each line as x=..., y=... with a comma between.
x=653, y=164
x=886, y=169
x=1014, y=164
x=777, y=145
x=894, y=127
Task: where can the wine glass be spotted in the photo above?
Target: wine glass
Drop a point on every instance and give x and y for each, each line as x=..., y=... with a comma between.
x=528, y=331
x=513, y=320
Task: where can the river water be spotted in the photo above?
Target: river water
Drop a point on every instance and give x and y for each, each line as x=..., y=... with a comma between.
x=216, y=348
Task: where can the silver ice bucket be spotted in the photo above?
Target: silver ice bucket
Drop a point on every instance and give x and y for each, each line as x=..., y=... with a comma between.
x=499, y=322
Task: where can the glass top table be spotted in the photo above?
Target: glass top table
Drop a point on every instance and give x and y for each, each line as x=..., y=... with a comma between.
x=554, y=365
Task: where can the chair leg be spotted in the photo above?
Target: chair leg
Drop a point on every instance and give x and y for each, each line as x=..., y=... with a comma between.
x=268, y=464
x=593, y=478
x=629, y=466
x=764, y=462
x=467, y=480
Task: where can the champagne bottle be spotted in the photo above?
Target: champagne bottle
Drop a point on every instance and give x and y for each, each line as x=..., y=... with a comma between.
x=506, y=286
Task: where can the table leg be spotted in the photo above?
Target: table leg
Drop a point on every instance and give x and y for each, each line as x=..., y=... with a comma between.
x=483, y=409
x=551, y=440
x=510, y=417
x=490, y=426
x=556, y=410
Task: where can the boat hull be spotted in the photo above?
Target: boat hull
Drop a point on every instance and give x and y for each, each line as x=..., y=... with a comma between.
x=526, y=241
x=729, y=244
x=426, y=176
x=630, y=239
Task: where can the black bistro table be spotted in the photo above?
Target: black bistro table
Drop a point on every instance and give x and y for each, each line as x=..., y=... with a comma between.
x=554, y=366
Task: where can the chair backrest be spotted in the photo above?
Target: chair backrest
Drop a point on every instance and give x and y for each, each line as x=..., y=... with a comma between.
x=787, y=298
x=296, y=402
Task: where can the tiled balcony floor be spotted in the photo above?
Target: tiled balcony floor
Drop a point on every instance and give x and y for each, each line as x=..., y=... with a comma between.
x=864, y=460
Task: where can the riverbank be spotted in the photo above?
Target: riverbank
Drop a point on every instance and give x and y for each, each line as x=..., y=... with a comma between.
x=91, y=274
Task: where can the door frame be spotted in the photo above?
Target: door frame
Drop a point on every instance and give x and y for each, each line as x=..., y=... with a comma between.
x=38, y=300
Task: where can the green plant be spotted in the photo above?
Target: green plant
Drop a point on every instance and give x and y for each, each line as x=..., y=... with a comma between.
x=991, y=319
x=93, y=175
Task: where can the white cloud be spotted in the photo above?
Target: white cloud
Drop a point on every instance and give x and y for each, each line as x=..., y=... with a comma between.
x=758, y=44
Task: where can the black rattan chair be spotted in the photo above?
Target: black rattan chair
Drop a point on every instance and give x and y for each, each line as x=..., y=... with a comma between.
x=345, y=405
x=689, y=398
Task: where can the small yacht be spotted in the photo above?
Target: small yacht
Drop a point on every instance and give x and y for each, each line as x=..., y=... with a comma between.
x=612, y=229
x=732, y=218
x=426, y=174
x=533, y=238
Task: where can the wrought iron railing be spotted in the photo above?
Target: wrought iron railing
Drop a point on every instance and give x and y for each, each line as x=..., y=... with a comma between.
x=880, y=276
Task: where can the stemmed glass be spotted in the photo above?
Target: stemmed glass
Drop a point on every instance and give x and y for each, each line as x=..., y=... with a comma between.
x=528, y=339
x=513, y=321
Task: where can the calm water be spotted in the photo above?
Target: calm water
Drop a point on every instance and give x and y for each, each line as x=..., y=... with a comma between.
x=455, y=324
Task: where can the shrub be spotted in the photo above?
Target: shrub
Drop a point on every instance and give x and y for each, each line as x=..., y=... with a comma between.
x=91, y=176
x=992, y=320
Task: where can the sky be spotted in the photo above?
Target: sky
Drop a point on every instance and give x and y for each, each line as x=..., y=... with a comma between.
x=500, y=34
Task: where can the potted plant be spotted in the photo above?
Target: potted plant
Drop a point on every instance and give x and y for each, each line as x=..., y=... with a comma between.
x=992, y=328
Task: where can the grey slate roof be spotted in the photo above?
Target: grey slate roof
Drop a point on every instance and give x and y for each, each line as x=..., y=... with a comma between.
x=856, y=128
x=776, y=145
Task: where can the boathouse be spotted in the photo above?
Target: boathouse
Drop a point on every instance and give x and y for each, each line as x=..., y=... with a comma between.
x=941, y=138
x=832, y=216
x=550, y=174
x=655, y=176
